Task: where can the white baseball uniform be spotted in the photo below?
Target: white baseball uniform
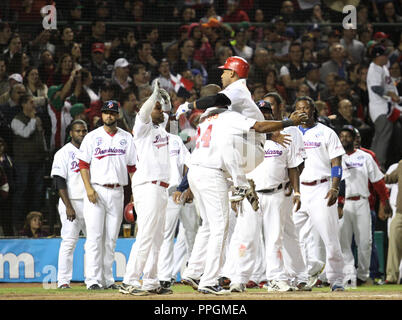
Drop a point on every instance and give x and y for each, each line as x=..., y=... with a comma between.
x=321, y=144
x=210, y=188
x=356, y=213
x=65, y=165
x=149, y=183
x=243, y=154
x=108, y=156
x=186, y=212
x=270, y=178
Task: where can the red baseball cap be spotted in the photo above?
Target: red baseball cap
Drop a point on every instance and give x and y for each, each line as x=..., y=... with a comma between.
x=380, y=35
x=98, y=47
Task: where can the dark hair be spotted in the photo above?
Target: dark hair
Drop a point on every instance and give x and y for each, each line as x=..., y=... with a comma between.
x=77, y=122
x=141, y=44
x=277, y=97
x=27, y=72
x=13, y=36
x=125, y=95
x=106, y=86
x=84, y=74
x=24, y=99
x=137, y=67
x=310, y=102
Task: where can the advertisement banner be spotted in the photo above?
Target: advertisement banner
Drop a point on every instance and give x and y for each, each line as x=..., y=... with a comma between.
x=35, y=260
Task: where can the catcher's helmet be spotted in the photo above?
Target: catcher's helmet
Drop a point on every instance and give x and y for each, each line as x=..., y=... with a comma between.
x=237, y=64
x=129, y=213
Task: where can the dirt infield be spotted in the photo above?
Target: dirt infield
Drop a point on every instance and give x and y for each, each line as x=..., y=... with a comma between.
x=35, y=291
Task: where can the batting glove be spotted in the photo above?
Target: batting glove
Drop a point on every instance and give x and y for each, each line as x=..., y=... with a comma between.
x=182, y=109
x=166, y=104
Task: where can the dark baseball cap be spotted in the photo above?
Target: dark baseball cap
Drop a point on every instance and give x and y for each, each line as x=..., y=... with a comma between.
x=349, y=128
x=380, y=50
x=312, y=66
x=264, y=106
x=111, y=105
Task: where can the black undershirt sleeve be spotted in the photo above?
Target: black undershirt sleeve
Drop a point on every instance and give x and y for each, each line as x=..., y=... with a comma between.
x=59, y=183
x=218, y=100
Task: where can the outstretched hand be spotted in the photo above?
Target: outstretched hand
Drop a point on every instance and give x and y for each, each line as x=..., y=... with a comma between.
x=298, y=117
x=281, y=139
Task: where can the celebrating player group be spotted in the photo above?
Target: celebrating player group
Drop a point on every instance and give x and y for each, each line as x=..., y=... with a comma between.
x=258, y=199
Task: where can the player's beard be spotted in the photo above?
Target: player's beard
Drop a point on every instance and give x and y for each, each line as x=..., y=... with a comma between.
x=110, y=124
x=349, y=147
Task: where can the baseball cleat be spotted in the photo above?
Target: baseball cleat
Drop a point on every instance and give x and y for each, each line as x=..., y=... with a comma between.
x=350, y=284
x=302, y=286
x=279, y=286
x=95, y=287
x=113, y=287
x=251, y=284
x=127, y=289
x=161, y=291
x=190, y=282
x=315, y=272
x=64, y=286
x=224, y=282
x=337, y=287
x=217, y=290
x=263, y=285
x=165, y=284
x=237, y=287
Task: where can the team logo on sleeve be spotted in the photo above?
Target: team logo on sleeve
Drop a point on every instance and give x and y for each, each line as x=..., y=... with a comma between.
x=99, y=141
x=123, y=142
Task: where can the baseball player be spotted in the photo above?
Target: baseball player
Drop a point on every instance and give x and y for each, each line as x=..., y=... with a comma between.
x=150, y=183
x=67, y=180
x=238, y=98
x=175, y=211
x=319, y=187
x=270, y=178
x=208, y=183
x=106, y=154
x=356, y=212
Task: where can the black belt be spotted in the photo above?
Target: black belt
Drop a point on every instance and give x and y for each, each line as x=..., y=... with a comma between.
x=271, y=190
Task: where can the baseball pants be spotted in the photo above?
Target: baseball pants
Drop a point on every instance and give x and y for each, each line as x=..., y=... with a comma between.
x=394, y=258
x=189, y=221
x=70, y=232
x=150, y=202
x=325, y=220
x=292, y=252
x=102, y=220
x=228, y=261
x=210, y=189
x=356, y=221
x=180, y=253
x=241, y=155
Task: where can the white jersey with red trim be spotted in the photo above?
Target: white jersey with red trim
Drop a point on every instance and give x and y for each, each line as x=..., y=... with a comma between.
x=152, y=146
x=361, y=168
x=108, y=156
x=178, y=154
x=211, y=136
x=321, y=144
x=65, y=165
x=274, y=169
x=243, y=103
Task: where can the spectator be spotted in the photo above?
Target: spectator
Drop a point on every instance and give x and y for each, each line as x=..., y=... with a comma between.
x=240, y=46
x=5, y=35
x=313, y=81
x=389, y=15
x=14, y=46
x=272, y=84
x=333, y=38
x=75, y=52
x=164, y=77
x=318, y=16
x=120, y=76
x=63, y=69
x=151, y=34
x=90, y=95
x=99, y=68
x=39, y=44
x=293, y=74
x=126, y=45
x=288, y=11
x=258, y=92
x=145, y=56
x=329, y=89
x=33, y=226
x=4, y=84
x=98, y=32
x=106, y=93
x=213, y=30
x=354, y=48
x=187, y=15
x=46, y=67
x=186, y=59
x=258, y=69
x=382, y=114
x=278, y=43
x=140, y=77
x=210, y=13
x=35, y=87
x=6, y=165
x=15, y=65
x=13, y=79
x=128, y=110
x=343, y=91
x=362, y=14
x=233, y=12
x=337, y=62
x=361, y=91
x=203, y=51
x=65, y=42
x=395, y=73
x=29, y=156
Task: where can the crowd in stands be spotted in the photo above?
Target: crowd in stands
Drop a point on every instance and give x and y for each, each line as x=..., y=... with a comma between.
x=48, y=78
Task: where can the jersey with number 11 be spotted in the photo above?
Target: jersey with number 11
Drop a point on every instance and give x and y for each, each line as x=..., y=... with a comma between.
x=212, y=135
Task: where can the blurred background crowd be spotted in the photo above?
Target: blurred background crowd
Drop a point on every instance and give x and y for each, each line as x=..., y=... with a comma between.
x=115, y=49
